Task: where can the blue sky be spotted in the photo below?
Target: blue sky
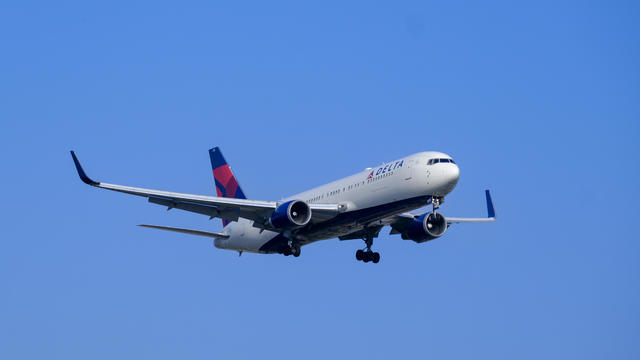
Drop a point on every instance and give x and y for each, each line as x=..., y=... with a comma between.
x=537, y=101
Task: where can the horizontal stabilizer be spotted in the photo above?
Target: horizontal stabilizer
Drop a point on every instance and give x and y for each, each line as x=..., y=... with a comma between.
x=188, y=231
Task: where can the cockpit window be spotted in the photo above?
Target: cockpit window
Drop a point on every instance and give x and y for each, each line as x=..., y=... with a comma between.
x=435, y=161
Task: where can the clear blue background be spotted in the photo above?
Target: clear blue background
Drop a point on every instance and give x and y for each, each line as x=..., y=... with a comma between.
x=537, y=100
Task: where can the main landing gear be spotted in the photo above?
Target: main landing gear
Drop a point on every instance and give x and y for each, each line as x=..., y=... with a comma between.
x=291, y=249
x=368, y=255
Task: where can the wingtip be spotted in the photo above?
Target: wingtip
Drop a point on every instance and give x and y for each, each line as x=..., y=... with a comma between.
x=83, y=176
x=491, y=212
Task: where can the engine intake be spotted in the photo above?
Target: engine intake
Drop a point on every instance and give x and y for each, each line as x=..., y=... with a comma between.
x=291, y=214
x=427, y=227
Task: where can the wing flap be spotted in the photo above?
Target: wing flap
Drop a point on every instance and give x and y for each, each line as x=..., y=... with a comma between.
x=211, y=211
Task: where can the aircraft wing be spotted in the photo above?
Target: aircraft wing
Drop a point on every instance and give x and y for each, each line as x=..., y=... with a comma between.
x=212, y=206
x=400, y=222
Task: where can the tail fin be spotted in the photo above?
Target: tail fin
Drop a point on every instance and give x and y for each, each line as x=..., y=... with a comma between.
x=226, y=183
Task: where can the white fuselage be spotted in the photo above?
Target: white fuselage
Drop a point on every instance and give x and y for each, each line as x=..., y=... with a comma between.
x=373, y=194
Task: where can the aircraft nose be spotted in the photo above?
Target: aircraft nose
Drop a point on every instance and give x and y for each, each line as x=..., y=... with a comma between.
x=451, y=176
x=455, y=173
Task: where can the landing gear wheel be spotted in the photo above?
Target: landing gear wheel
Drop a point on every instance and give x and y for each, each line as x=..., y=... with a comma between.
x=285, y=250
x=295, y=250
x=367, y=256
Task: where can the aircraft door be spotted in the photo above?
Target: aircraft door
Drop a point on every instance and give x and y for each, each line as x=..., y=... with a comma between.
x=410, y=168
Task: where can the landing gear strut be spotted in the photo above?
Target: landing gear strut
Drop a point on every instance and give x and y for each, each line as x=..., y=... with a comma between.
x=436, y=201
x=368, y=255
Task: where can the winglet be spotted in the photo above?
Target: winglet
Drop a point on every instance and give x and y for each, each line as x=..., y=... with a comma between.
x=491, y=212
x=83, y=176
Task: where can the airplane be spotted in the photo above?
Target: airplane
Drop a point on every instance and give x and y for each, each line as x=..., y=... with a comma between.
x=354, y=207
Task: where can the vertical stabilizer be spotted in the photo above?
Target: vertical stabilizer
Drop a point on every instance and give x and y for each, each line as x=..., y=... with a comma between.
x=226, y=183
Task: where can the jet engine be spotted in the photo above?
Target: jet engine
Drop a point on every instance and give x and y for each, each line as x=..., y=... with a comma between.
x=291, y=214
x=427, y=227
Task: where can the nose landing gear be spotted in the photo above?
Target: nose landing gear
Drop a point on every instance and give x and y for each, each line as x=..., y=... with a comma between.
x=436, y=201
x=368, y=255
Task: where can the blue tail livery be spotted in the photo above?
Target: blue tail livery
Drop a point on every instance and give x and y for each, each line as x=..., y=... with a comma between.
x=226, y=183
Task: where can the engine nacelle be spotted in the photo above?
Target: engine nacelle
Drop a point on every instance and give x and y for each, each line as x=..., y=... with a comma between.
x=427, y=227
x=291, y=214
